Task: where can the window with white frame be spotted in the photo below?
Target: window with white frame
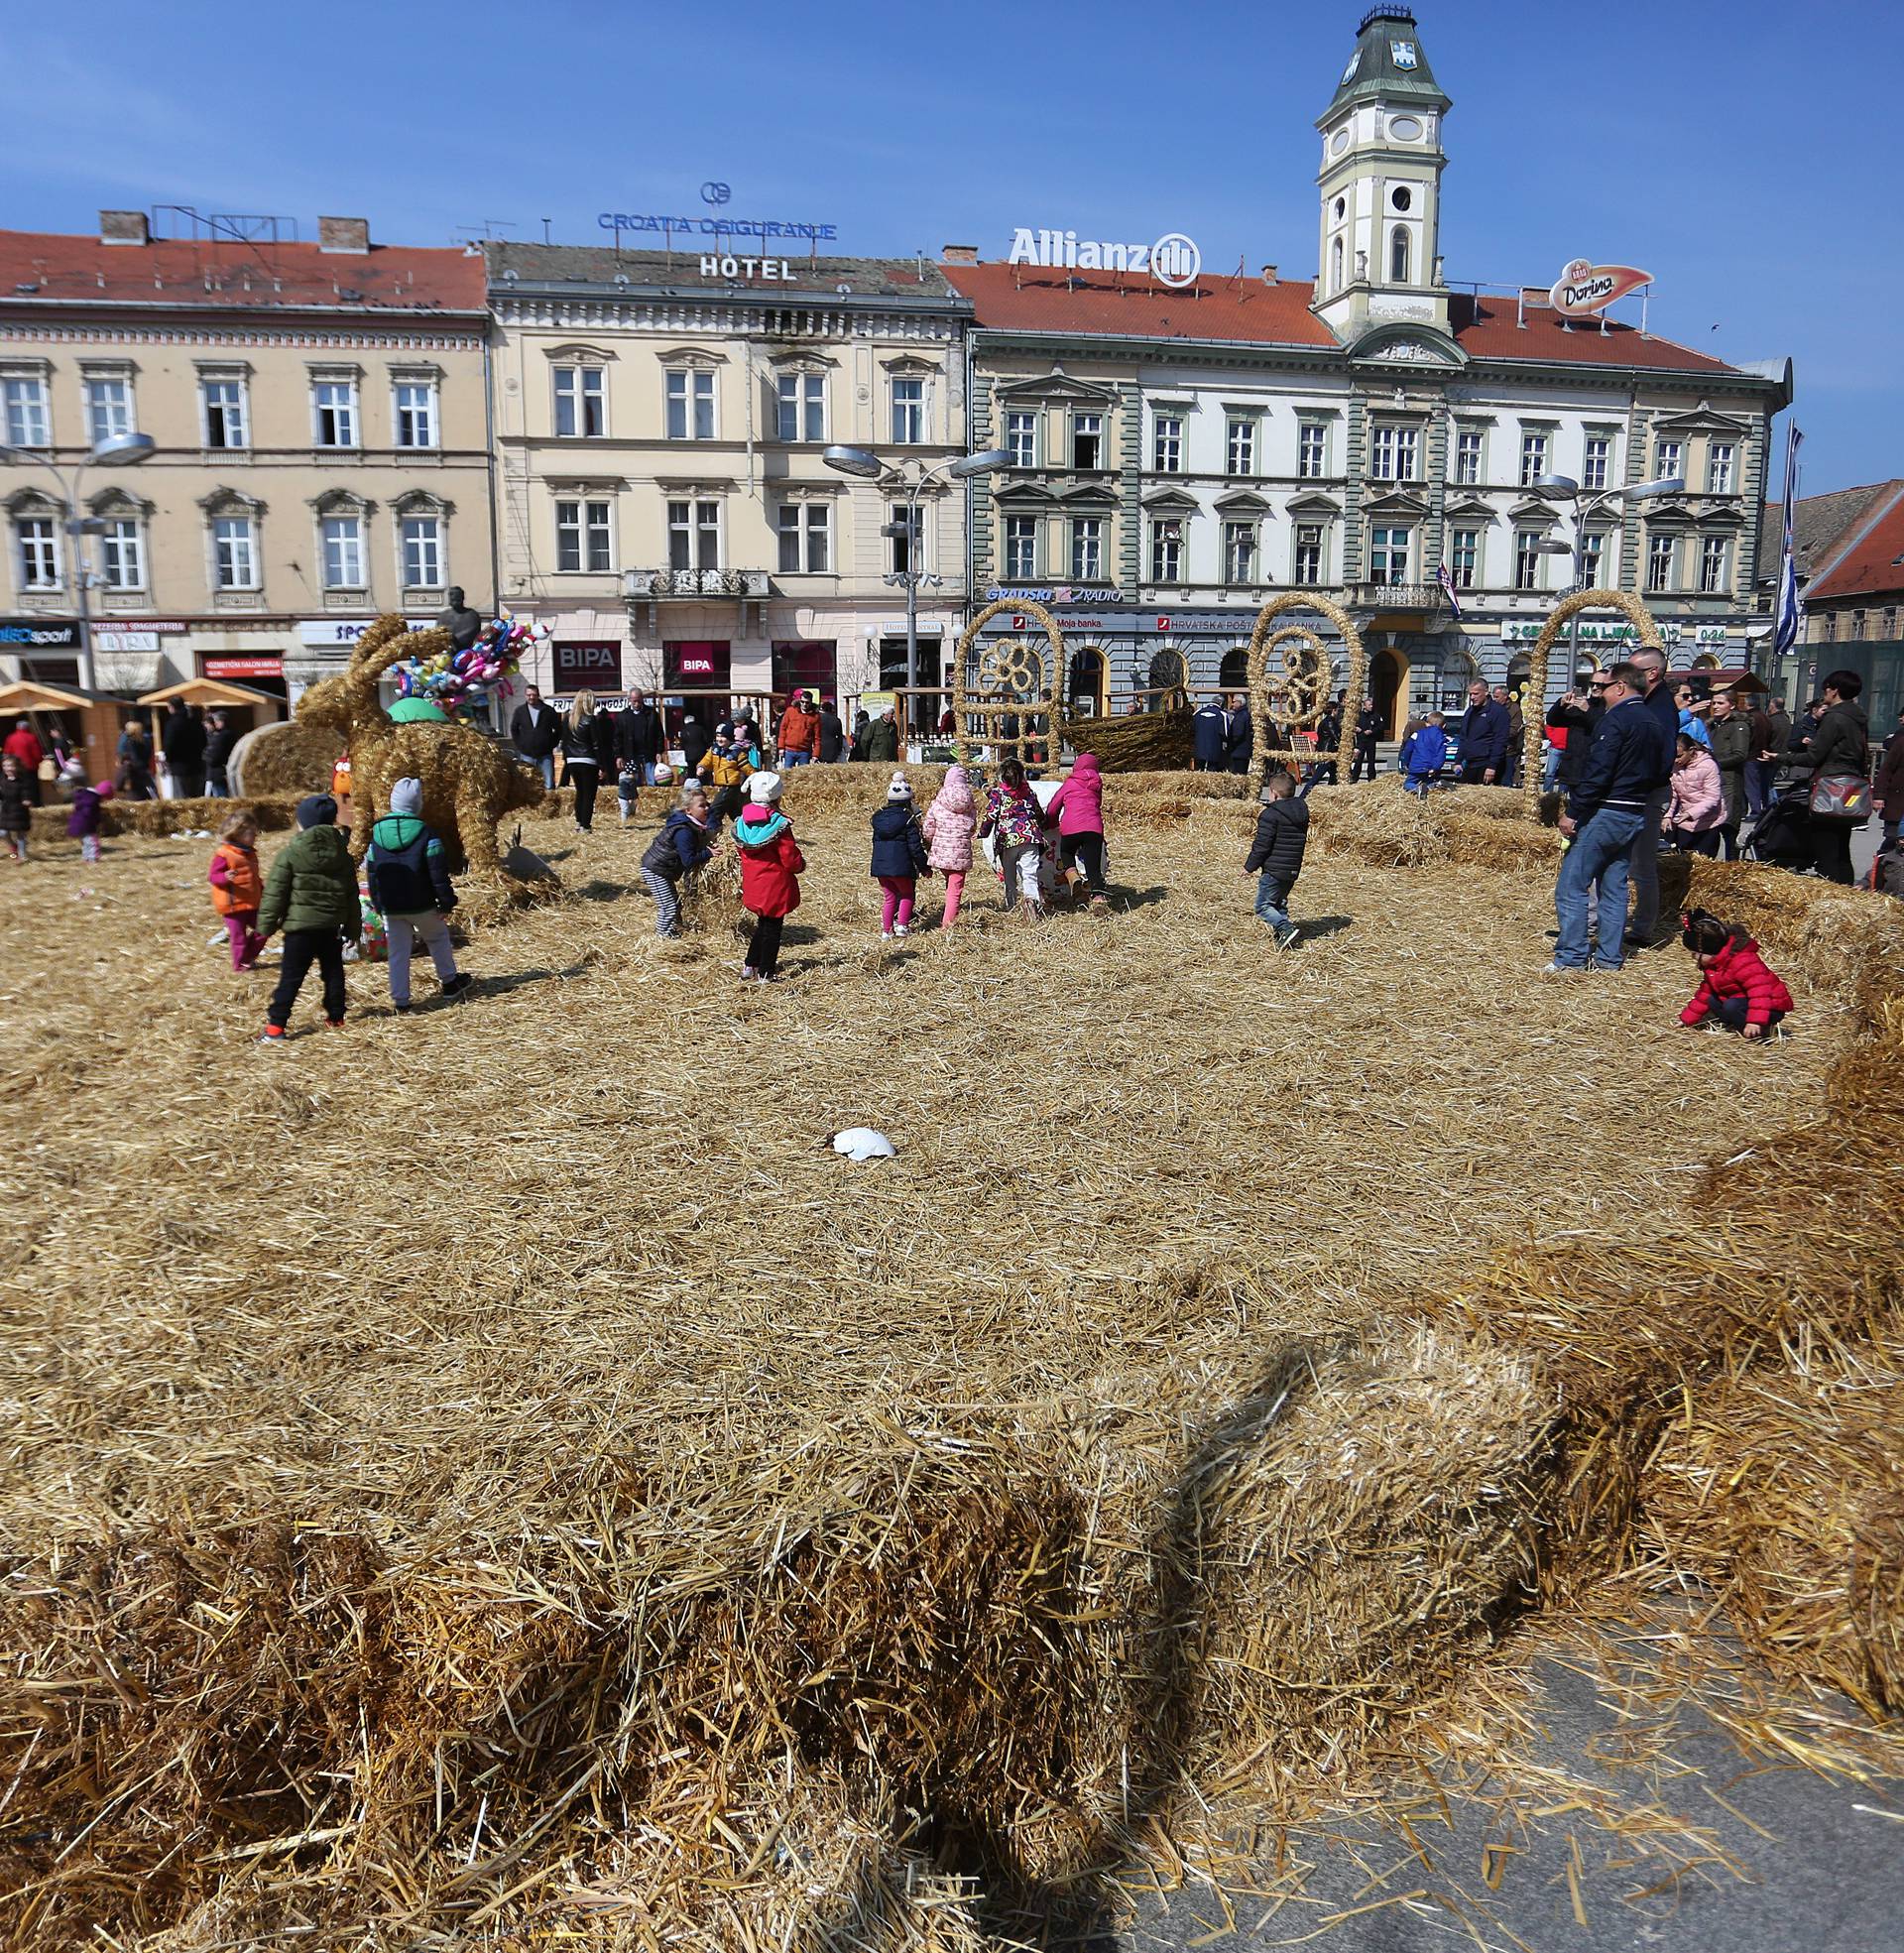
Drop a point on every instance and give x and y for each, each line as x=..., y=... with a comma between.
x=1240, y=447
x=108, y=406
x=36, y=549
x=1464, y=558
x=1022, y=439
x=1087, y=441
x=1397, y=454
x=1667, y=458
x=805, y=539
x=690, y=404
x=1388, y=556
x=1592, y=555
x=1166, y=454
x=908, y=411
x=227, y=412
x=1239, y=552
x=1312, y=451
x=122, y=554
x=1661, y=553
x=414, y=413
x=343, y=537
x=1020, y=549
x=422, y=538
x=234, y=552
x=905, y=534
x=1167, y=549
x=1087, y=550
x=1719, y=468
x=1533, y=456
x=333, y=412
x=1308, y=559
x=28, y=421
x=585, y=535
x=581, y=402
x=1595, y=458
x=694, y=534
x=1468, y=442
x=802, y=407
x=1527, y=558
x=1712, y=568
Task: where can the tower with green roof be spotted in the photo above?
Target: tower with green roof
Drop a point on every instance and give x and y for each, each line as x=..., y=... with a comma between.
x=1380, y=183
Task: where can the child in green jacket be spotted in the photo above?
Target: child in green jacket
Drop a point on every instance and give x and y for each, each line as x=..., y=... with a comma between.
x=310, y=895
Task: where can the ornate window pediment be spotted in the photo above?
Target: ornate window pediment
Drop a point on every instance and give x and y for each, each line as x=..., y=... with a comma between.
x=1409, y=508
x=341, y=502
x=1315, y=505
x=1089, y=494
x=119, y=501
x=1056, y=389
x=1407, y=342
x=1024, y=494
x=1531, y=511
x=910, y=366
x=576, y=353
x=421, y=502
x=1470, y=508
x=1704, y=419
x=1170, y=501
x=803, y=362
x=33, y=502
x=230, y=502
x=1244, y=502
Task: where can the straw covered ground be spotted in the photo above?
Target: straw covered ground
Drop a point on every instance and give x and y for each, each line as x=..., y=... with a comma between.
x=494, y=1471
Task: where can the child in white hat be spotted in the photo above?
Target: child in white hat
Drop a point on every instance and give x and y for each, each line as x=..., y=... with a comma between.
x=900, y=857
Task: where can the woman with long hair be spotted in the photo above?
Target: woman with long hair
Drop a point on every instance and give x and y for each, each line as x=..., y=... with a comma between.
x=588, y=745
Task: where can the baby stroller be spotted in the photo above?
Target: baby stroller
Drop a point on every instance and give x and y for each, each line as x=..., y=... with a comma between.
x=1783, y=836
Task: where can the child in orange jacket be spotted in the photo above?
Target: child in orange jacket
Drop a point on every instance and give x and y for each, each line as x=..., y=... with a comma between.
x=238, y=887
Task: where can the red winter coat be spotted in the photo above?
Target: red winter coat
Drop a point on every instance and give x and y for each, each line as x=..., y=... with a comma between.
x=1740, y=971
x=799, y=732
x=770, y=861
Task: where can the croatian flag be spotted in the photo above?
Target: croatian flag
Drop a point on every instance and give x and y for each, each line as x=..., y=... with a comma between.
x=1447, y=583
x=1790, y=617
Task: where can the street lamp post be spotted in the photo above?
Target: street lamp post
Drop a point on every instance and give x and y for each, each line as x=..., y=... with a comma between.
x=864, y=465
x=114, y=451
x=1564, y=488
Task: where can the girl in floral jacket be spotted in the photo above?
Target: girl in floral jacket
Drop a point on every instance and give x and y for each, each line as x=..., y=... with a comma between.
x=1011, y=811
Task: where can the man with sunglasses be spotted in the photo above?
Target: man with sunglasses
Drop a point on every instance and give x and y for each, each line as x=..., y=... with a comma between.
x=1657, y=697
x=1606, y=816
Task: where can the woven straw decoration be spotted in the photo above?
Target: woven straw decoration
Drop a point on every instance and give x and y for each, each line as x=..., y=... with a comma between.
x=1014, y=668
x=1312, y=679
x=1635, y=612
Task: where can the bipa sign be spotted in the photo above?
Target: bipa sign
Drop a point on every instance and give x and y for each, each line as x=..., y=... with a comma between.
x=1173, y=260
x=1584, y=288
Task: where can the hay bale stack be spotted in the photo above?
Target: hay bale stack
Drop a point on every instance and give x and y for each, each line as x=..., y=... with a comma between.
x=1137, y=742
x=294, y=757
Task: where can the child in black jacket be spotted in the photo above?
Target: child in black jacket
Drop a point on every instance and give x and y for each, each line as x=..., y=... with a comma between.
x=1276, y=855
x=409, y=878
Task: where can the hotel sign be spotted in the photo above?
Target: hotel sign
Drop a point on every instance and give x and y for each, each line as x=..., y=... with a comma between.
x=1173, y=260
x=1584, y=288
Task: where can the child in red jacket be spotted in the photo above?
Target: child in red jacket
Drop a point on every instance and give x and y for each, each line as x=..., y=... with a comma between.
x=770, y=867
x=1738, y=991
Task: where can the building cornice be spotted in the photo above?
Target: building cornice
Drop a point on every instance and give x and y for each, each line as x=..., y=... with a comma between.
x=16, y=327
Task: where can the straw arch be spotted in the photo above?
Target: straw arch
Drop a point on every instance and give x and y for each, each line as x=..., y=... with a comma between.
x=1635, y=614
x=1307, y=670
x=1010, y=673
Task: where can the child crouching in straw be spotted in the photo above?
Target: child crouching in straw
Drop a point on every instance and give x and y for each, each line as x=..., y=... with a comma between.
x=683, y=845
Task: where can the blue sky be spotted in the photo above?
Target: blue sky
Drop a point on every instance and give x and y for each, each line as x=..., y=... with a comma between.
x=1619, y=131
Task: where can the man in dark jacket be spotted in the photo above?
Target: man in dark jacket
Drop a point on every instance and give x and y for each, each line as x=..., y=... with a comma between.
x=1484, y=737
x=183, y=739
x=832, y=734
x=1208, y=727
x=1840, y=752
x=1578, y=714
x=1327, y=770
x=536, y=730
x=1368, y=730
x=695, y=739
x=409, y=877
x=1276, y=855
x=310, y=895
x=883, y=738
x=1661, y=700
x=638, y=737
x=218, y=744
x=1239, y=742
x=1630, y=753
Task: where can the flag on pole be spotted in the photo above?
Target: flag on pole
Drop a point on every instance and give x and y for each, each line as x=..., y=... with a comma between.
x=1447, y=583
x=1789, y=619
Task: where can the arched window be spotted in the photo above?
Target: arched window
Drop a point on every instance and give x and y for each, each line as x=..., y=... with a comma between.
x=1334, y=267
x=1398, y=255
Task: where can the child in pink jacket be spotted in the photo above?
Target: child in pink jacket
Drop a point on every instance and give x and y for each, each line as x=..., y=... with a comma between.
x=1078, y=809
x=1697, y=810
x=950, y=822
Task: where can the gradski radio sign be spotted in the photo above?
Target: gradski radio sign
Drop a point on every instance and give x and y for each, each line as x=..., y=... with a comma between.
x=1584, y=288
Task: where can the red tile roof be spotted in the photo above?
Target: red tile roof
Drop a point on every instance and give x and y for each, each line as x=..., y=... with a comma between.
x=1032, y=299
x=40, y=266
x=1870, y=564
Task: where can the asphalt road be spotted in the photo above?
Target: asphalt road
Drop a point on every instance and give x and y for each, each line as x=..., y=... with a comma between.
x=1809, y=1871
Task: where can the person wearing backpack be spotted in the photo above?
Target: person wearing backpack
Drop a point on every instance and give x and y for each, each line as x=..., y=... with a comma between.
x=676, y=853
x=409, y=878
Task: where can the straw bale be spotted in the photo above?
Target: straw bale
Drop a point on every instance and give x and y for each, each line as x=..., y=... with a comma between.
x=1136, y=742
x=294, y=757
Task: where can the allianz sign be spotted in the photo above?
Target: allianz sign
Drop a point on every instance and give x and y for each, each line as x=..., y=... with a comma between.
x=1173, y=260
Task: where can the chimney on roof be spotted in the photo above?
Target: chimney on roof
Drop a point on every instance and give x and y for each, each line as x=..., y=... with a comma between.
x=1269, y=275
x=959, y=253
x=344, y=234
x=124, y=227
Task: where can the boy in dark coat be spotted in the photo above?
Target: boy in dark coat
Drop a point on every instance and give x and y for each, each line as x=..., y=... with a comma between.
x=408, y=876
x=1276, y=855
x=310, y=895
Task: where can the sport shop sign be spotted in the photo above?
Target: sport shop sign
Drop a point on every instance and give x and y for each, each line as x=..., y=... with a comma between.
x=1173, y=260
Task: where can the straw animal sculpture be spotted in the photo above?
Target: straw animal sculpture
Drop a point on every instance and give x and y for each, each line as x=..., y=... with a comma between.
x=1294, y=661
x=1012, y=684
x=1623, y=601
x=470, y=782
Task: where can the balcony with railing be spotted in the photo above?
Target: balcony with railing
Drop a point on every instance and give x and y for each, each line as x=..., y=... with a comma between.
x=645, y=584
x=1384, y=595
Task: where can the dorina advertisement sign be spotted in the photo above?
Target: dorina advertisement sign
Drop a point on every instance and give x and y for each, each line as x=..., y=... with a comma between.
x=1173, y=260
x=1584, y=288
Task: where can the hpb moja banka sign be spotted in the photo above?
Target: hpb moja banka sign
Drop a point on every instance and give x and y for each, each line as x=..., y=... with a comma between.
x=1173, y=260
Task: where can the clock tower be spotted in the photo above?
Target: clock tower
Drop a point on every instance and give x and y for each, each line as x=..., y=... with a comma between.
x=1380, y=183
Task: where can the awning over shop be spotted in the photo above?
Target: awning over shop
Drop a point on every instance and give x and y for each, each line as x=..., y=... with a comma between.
x=211, y=691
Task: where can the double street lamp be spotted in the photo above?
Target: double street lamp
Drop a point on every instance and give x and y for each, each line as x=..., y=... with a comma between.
x=1586, y=503
x=864, y=465
x=114, y=451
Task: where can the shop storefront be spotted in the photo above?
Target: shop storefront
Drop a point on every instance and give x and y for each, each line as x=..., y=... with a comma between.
x=46, y=648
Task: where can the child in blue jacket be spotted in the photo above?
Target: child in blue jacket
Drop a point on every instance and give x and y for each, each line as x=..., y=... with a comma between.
x=900, y=857
x=1423, y=754
x=408, y=875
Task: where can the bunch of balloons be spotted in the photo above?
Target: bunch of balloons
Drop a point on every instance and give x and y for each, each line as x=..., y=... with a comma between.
x=460, y=680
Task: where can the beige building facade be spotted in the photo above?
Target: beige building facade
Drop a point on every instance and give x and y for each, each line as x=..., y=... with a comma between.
x=663, y=505
x=318, y=411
